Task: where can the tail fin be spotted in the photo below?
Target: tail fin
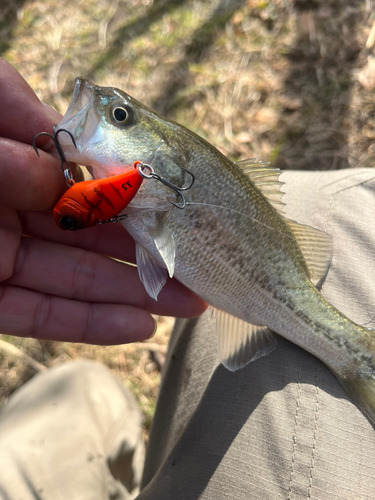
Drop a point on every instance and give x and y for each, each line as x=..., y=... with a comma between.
x=362, y=390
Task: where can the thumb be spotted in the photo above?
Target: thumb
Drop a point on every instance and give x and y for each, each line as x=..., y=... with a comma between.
x=22, y=113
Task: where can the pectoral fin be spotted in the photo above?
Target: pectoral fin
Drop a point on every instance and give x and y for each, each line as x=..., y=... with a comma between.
x=240, y=342
x=164, y=242
x=150, y=273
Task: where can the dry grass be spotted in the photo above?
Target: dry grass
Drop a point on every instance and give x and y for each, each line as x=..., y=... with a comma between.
x=138, y=365
x=290, y=81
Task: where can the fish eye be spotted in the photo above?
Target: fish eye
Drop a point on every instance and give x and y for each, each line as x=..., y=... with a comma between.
x=121, y=115
x=68, y=223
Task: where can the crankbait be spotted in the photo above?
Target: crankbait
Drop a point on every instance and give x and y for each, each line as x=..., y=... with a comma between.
x=87, y=203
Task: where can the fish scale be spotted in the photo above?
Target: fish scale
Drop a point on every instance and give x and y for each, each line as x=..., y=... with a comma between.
x=230, y=244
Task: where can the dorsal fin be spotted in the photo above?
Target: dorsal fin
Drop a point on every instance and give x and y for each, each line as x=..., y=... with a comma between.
x=316, y=247
x=266, y=179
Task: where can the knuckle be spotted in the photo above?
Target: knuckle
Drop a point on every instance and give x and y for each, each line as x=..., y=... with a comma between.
x=41, y=317
x=84, y=275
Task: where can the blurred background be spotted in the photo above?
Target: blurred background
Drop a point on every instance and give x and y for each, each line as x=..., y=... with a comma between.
x=287, y=81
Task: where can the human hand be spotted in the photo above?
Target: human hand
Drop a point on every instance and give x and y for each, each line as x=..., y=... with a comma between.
x=55, y=284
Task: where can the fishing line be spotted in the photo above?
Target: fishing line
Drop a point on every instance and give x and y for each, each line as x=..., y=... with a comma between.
x=241, y=213
x=262, y=249
x=347, y=187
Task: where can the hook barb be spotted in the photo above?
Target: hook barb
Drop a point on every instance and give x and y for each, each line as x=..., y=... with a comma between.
x=55, y=139
x=176, y=189
x=36, y=137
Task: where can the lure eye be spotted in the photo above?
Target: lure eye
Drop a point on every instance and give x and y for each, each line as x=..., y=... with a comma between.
x=68, y=223
x=121, y=115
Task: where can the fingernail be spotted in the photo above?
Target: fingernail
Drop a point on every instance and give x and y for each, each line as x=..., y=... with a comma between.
x=155, y=328
x=55, y=114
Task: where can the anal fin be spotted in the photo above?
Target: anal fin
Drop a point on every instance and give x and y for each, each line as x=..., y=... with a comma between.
x=240, y=342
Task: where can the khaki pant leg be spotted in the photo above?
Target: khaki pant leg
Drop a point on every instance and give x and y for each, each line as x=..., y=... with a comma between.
x=282, y=427
x=72, y=432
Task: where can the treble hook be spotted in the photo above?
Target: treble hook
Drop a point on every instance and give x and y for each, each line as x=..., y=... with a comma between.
x=55, y=139
x=176, y=189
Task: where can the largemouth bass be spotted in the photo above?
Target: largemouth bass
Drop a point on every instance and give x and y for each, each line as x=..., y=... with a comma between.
x=231, y=244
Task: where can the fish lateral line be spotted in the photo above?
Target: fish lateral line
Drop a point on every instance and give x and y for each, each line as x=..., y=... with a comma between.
x=315, y=245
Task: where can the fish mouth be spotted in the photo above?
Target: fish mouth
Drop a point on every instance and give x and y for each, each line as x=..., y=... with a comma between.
x=80, y=119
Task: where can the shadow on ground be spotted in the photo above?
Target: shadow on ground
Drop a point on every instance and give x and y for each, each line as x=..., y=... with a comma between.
x=8, y=20
x=322, y=62
x=203, y=38
x=134, y=29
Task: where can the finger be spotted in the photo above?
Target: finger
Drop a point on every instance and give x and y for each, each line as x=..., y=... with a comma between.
x=10, y=237
x=108, y=239
x=82, y=275
x=22, y=114
x=26, y=181
x=115, y=241
x=27, y=313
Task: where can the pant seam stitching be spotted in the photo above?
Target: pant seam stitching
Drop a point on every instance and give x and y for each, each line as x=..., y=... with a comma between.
x=294, y=437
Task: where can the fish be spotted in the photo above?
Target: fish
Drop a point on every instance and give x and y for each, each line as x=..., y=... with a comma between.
x=90, y=202
x=231, y=244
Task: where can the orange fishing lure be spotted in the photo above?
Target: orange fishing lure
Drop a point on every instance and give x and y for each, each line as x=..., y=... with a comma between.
x=86, y=203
